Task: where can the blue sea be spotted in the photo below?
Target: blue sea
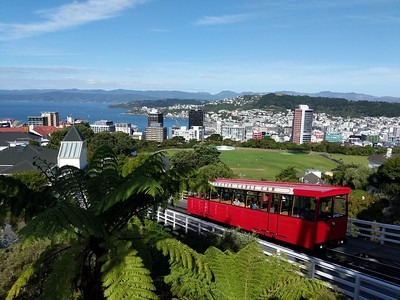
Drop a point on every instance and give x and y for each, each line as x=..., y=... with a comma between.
x=91, y=112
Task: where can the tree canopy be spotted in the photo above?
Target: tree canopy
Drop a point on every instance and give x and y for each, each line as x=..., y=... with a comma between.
x=288, y=174
x=95, y=245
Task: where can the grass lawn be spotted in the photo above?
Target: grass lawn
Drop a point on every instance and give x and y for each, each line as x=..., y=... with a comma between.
x=260, y=163
x=350, y=159
x=266, y=164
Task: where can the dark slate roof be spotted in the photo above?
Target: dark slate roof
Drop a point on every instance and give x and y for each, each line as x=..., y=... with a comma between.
x=6, y=137
x=312, y=178
x=21, y=158
x=379, y=159
x=74, y=135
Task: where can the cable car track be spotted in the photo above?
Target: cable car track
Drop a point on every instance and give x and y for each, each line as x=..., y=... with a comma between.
x=365, y=264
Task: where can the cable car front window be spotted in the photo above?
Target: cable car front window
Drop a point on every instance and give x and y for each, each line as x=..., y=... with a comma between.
x=339, y=206
x=325, y=208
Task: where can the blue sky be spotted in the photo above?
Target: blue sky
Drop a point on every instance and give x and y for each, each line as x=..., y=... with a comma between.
x=202, y=46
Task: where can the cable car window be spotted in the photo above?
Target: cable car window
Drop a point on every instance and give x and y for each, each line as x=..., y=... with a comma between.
x=274, y=206
x=239, y=197
x=226, y=195
x=265, y=199
x=325, y=208
x=254, y=199
x=307, y=208
x=339, y=206
x=286, y=205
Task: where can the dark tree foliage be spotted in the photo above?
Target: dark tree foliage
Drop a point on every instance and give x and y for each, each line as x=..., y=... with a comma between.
x=206, y=155
x=354, y=176
x=57, y=136
x=22, y=199
x=119, y=142
x=184, y=160
x=287, y=175
x=214, y=137
x=202, y=155
x=97, y=245
x=388, y=176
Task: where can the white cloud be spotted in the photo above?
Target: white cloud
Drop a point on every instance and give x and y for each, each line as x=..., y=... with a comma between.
x=66, y=16
x=226, y=19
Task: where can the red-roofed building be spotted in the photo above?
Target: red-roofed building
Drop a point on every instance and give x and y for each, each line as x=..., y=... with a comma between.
x=44, y=132
x=15, y=129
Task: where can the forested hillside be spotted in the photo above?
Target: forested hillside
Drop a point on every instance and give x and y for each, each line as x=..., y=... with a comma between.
x=332, y=106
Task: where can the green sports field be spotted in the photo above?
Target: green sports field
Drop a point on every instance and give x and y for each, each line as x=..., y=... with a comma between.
x=266, y=164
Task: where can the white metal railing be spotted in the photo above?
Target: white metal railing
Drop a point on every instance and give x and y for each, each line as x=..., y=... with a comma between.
x=374, y=231
x=351, y=283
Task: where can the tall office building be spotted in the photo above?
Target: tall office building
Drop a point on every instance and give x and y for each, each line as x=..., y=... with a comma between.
x=51, y=119
x=196, y=118
x=155, y=130
x=155, y=119
x=45, y=119
x=302, y=124
x=196, y=122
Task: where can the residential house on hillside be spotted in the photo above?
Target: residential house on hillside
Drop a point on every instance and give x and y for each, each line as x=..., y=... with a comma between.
x=73, y=150
x=312, y=176
x=44, y=132
x=375, y=160
x=23, y=158
x=16, y=138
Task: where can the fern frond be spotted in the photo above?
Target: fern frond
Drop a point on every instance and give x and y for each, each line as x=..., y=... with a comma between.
x=190, y=276
x=297, y=287
x=124, y=274
x=61, y=279
x=103, y=159
x=70, y=186
x=184, y=255
x=131, y=187
x=240, y=275
x=102, y=174
x=20, y=283
x=188, y=284
x=63, y=219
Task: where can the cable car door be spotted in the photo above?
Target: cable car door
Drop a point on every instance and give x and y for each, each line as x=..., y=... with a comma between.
x=273, y=215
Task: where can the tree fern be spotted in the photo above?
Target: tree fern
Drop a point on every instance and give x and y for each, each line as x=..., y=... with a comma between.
x=63, y=220
x=102, y=174
x=124, y=274
x=240, y=275
x=190, y=275
x=34, y=268
x=20, y=283
x=293, y=287
x=65, y=270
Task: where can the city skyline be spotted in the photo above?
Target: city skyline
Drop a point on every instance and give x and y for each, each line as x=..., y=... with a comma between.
x=207, y=46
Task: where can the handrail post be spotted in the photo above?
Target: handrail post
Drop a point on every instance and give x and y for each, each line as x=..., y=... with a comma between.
x=357, y=288
x=312, y=270
x=383, y=235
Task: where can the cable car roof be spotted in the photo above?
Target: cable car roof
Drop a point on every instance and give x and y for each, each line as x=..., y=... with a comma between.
x=289, y=188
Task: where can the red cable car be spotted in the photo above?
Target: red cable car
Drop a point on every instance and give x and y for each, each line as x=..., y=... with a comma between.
x=307, y=215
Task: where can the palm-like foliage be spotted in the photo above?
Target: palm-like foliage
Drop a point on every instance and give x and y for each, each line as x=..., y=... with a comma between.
x=248, y=274
x=92, y=252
